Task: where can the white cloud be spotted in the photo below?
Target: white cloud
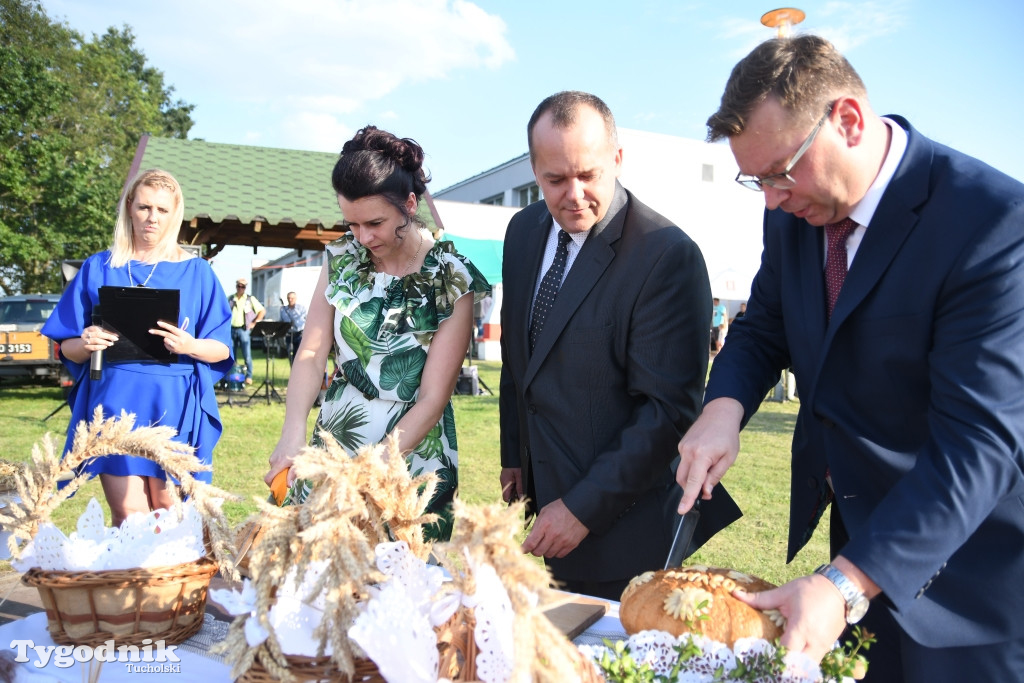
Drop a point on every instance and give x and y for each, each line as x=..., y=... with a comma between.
x=861, y=22
x=299, y=65
x=355, y=51
x=846, y=24
x=315, y=60
x=315, y=131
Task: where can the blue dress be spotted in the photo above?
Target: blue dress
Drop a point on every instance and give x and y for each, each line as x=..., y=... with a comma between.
x=181, y=394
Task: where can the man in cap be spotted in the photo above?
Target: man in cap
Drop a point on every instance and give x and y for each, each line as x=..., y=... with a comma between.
x=246, y=311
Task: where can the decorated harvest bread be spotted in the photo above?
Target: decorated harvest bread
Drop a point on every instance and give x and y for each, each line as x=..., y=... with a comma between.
x=697, y=599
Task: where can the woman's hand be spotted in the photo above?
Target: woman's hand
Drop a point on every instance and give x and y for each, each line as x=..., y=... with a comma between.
x=176, y=339
x=95, y=338
x=282, y=457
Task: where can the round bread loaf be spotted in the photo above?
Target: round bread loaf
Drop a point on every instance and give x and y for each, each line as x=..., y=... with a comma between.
x=698, y=599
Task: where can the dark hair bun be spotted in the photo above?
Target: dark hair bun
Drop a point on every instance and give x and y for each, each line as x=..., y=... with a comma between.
x=374, y=162
x=403, y=151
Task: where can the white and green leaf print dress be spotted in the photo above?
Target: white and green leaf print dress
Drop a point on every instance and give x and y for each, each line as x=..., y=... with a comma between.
x=383, y=328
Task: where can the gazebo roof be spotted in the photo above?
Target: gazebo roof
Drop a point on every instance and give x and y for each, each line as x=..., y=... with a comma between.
x=252, y=196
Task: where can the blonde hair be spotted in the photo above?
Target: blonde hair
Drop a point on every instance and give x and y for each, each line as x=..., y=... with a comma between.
x=123, y=247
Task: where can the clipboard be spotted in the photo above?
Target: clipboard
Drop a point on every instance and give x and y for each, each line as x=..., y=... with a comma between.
x=131, y=312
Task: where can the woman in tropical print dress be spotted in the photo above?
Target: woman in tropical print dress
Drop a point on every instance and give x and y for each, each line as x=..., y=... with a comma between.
x=393, y=304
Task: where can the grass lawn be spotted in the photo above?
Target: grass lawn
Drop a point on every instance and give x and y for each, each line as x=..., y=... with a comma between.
x=759, y=481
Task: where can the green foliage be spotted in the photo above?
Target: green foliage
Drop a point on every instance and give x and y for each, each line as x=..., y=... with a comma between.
x=759, y=481
x=71, y=115
x=848, y=661
x=618, y=665
x=754, y=668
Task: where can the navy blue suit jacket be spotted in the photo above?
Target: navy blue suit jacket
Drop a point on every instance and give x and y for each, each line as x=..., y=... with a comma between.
x=912, y=396
x=617, y=376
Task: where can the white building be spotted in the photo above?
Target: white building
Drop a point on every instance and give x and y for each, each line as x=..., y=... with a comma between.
x=690, y=182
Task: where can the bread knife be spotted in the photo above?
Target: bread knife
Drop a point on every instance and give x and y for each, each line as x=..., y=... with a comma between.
x=684, y=535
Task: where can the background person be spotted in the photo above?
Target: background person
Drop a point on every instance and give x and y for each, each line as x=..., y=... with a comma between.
x=181, y=395
x=246, y=311
x=911, y=413
x=294, y=313
x=399, y=308
x=592, y=407
x=719, y=325
x=740, y=313
x=485, y=309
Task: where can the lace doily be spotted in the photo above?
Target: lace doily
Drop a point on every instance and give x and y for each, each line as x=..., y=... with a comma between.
x=396, y=628
x=294, y=616
x=395, y=632
x=396, y=625
x=493, y=632
x=657, y=648
x=158, y=538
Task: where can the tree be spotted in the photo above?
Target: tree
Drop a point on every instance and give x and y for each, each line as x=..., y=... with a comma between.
x=71, y=115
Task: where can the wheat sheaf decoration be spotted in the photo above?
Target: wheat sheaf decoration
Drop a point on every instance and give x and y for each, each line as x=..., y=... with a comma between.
x=36, y=483
x=356, y=502
x=487, y=535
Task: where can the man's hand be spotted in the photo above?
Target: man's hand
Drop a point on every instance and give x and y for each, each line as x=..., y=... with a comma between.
x=708, y=450
x=512, y=484
x=555, y=533
x=814, y=609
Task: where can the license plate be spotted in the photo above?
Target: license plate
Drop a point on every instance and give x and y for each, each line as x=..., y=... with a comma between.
x=15, y=349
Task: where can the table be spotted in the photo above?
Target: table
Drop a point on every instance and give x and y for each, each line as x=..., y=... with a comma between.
x=607, y=627
x=196, y=662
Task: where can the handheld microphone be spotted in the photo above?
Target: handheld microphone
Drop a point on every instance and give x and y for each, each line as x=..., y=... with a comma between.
x=96, y=360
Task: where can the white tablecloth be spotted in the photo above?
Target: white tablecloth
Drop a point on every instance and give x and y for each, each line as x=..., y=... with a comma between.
x=196, y=664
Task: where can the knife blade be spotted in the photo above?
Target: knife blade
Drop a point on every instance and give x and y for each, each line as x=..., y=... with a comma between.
x=684, y=534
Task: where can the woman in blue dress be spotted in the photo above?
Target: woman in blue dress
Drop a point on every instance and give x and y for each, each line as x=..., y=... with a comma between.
x=397, y=308
x=179, y=394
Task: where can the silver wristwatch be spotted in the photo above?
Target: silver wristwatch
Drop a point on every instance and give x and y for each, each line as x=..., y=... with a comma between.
x=856, y=602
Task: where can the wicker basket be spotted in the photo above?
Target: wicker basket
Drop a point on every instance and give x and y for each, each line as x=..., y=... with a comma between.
x=314, y=669
x=456, y=646
x=128, y=606
x=124, y=605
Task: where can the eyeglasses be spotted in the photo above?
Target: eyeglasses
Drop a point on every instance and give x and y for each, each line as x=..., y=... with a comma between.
x=783, y=181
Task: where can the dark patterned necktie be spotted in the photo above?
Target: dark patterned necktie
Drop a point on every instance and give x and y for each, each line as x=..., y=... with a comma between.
x=549, y=288
x=835, y=260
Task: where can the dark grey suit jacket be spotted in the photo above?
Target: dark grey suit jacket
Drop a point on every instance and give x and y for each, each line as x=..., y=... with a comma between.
x=596, y=413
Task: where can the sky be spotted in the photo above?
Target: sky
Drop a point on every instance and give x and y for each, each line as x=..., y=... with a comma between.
x=462, y=78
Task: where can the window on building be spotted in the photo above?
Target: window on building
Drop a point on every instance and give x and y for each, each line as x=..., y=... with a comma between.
x=527, y=194
x=707, y=173
x=496, y=200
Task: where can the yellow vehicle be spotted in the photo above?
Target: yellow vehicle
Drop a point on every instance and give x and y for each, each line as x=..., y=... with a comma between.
x=24, y=351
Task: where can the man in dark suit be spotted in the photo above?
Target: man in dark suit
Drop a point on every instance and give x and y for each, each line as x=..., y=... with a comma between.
x=603, y=363
x=909, y=368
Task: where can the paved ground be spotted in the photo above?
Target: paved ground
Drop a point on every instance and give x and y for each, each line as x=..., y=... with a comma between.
x=20, y=601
